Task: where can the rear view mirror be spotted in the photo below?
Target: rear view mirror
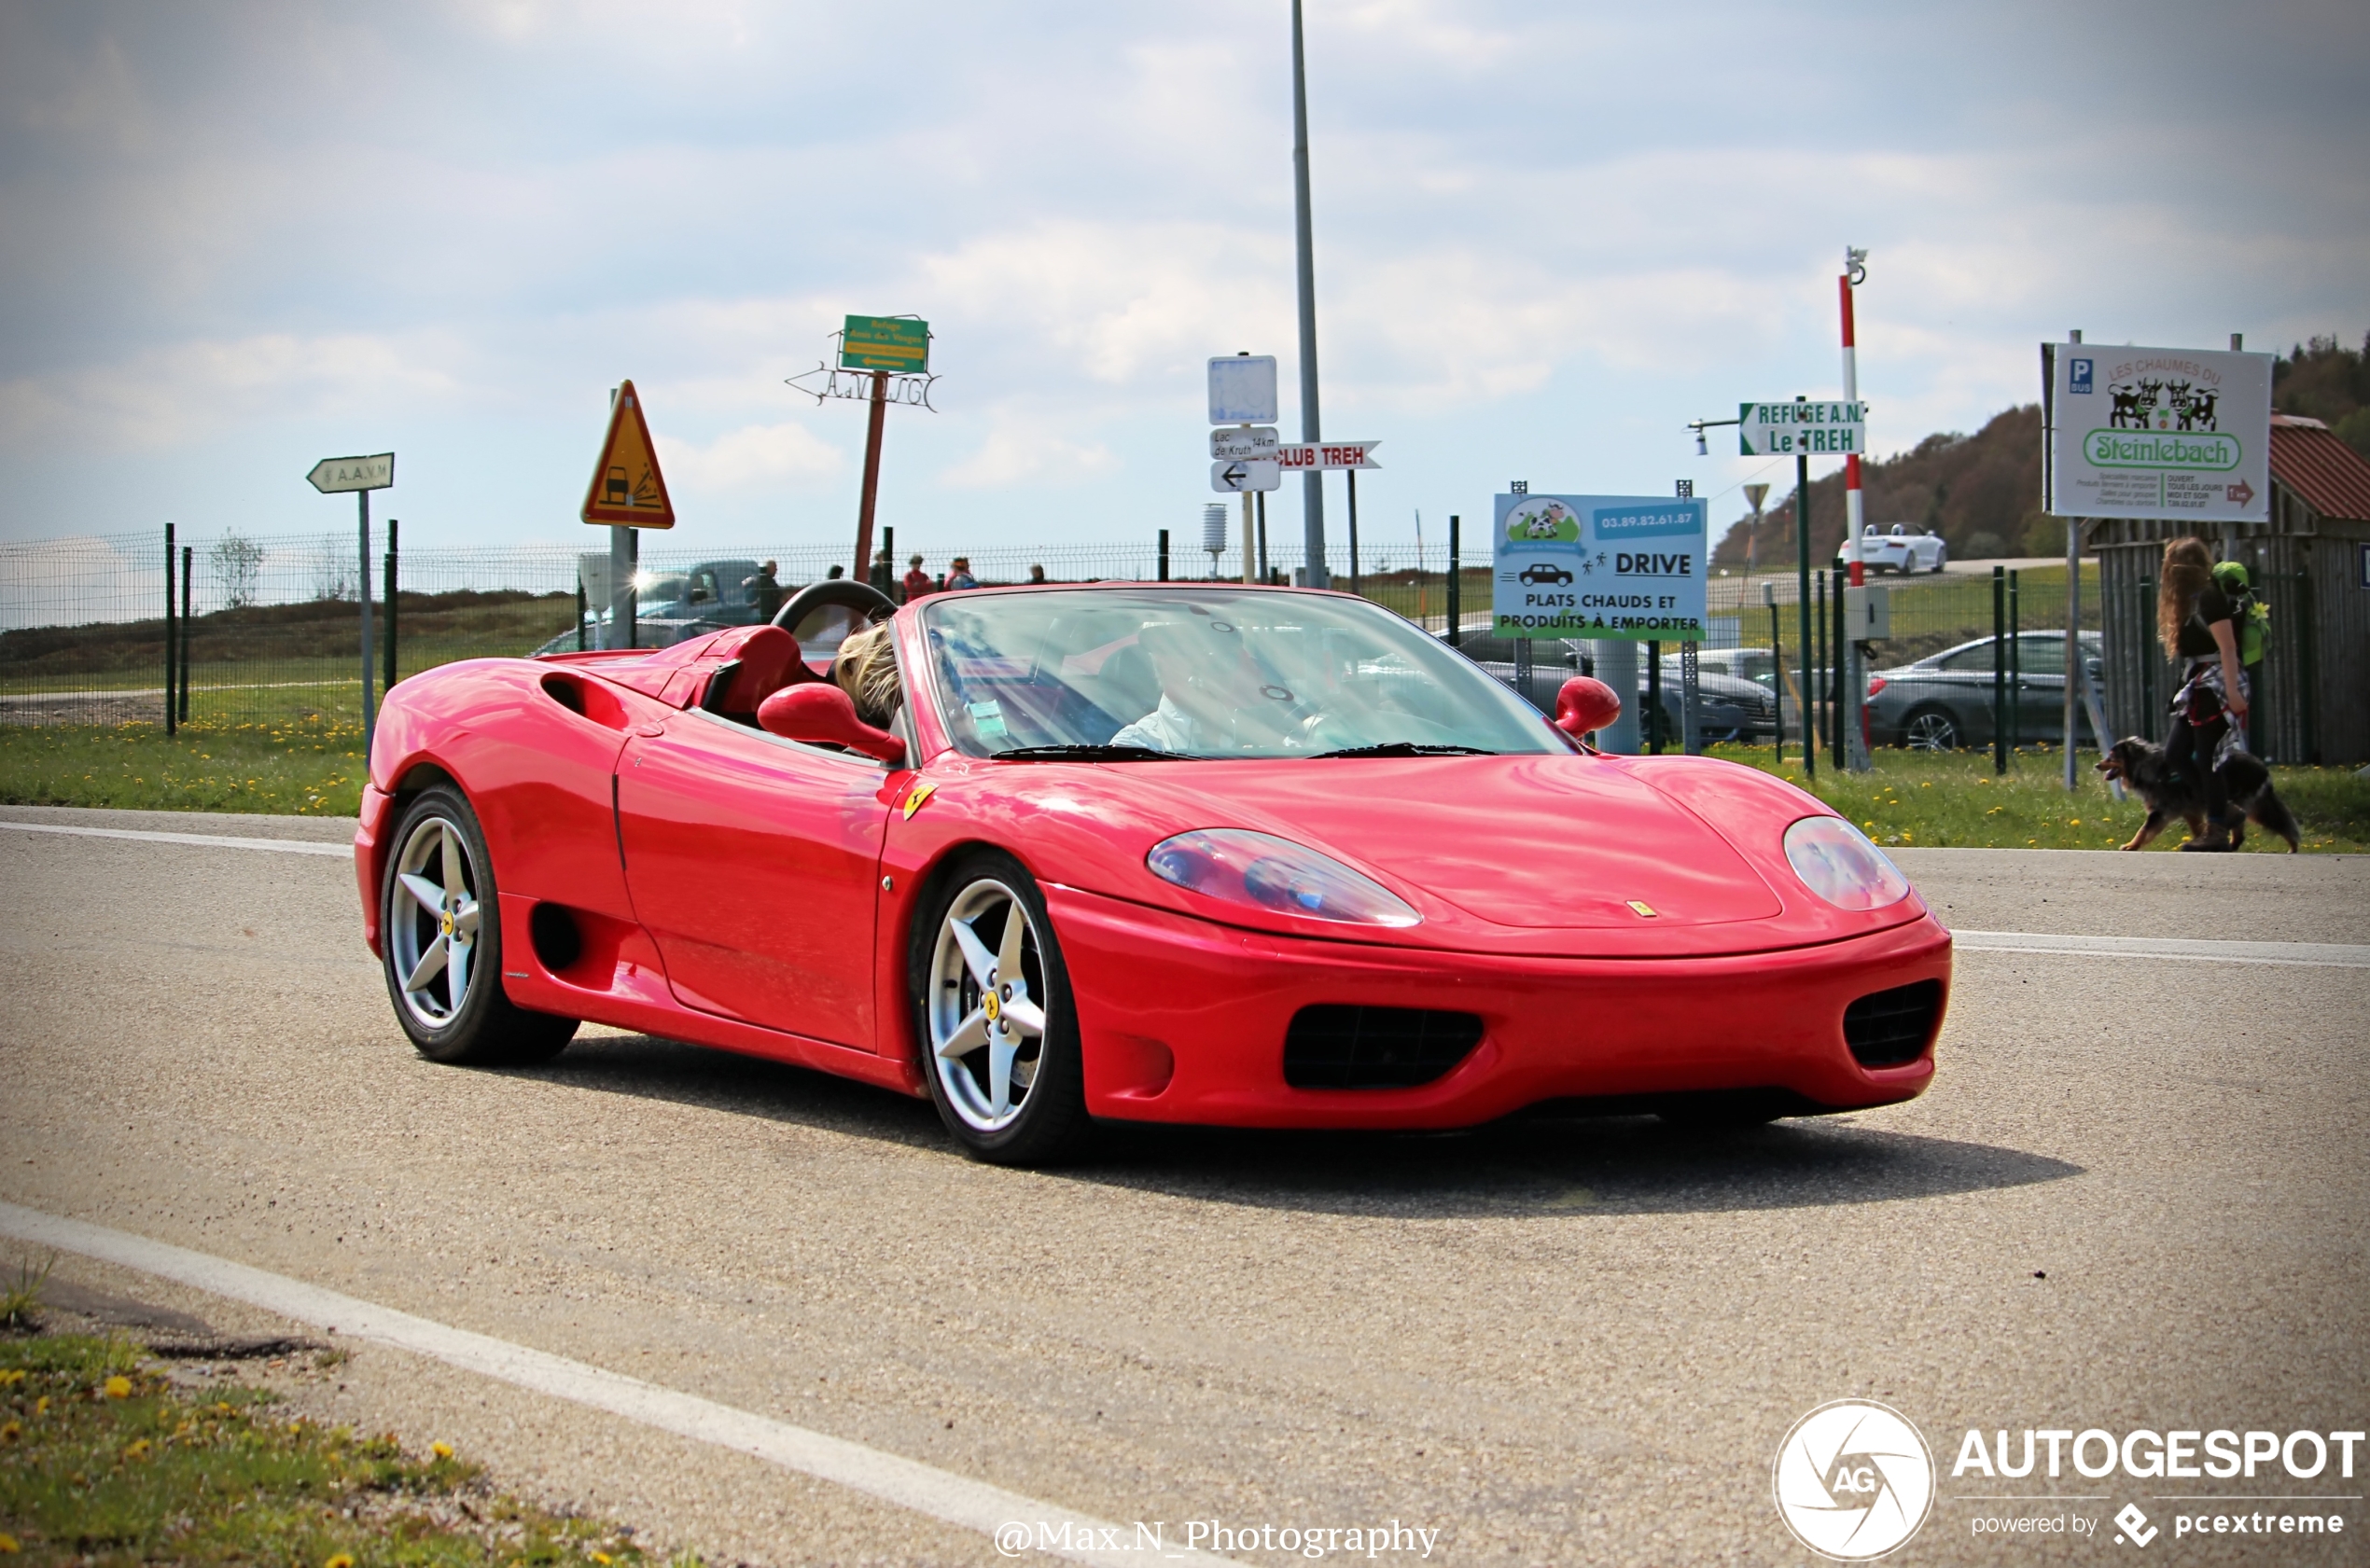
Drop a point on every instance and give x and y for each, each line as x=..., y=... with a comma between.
x=1585, y=705
x=820, y=714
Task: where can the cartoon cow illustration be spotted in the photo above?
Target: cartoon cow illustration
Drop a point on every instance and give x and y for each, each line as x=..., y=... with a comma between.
x=2127, y=410
x=2199, y=415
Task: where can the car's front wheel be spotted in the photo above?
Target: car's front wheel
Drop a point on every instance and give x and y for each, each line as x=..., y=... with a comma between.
x=993, y=1016
x=1931, y=729
x=440, y=943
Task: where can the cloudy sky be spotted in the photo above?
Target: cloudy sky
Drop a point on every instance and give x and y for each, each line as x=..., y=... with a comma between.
x=239, y=238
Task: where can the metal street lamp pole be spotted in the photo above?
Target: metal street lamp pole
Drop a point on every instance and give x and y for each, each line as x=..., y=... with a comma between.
x=1313, y=482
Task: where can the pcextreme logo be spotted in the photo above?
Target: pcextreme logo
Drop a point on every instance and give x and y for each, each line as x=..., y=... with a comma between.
x=1854, y=1479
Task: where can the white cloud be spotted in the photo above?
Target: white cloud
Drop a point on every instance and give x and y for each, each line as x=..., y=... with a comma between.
x=752, y=457
x=182, y=391
x=1009, y=458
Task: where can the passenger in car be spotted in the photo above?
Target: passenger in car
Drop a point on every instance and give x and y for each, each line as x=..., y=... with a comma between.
x=865, y=669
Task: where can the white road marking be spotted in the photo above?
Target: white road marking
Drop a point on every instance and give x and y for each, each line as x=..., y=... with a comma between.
x=2325, y=955
x=940, y=1494
x=211, y=840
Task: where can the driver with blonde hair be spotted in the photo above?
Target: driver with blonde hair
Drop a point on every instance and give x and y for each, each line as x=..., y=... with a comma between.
x=865, y=669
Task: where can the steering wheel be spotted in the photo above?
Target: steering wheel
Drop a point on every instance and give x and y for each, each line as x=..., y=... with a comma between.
x=859, y=603
x=841, y=593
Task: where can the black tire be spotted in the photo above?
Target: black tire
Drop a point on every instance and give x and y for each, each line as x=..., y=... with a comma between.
x=1048, y=1120
x=481, y=1027
x=1931, y=728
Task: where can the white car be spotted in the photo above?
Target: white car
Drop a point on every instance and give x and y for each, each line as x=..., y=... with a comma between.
x=1900, y=550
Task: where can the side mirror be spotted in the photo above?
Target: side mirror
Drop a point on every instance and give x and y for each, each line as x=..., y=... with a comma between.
x=1585, y=705
x=820, y=714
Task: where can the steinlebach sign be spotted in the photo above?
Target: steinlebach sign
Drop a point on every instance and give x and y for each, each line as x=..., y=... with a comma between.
x=2159, y=433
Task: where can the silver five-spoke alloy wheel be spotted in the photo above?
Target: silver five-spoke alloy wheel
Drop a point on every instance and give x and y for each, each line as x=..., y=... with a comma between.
x=987, y=1004
x=1931, y=732
x=434, y=919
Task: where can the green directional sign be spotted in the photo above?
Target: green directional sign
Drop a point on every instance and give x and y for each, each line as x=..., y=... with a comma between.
x=897, y=343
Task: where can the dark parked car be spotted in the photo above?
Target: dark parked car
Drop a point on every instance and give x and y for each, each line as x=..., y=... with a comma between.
x=712, y=590
x=1944, y=702
x=1727, y=708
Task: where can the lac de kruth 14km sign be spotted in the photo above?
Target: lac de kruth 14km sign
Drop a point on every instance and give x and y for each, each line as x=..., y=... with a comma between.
x=2159, y=433
x=1627, y=567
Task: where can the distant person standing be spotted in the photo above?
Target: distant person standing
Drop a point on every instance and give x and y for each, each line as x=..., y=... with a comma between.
x=917, y=582
x=1037, y=573
x=836, y=573
x=2194, y=623
x=765, y=588
x=958, y=574
x=883, y=576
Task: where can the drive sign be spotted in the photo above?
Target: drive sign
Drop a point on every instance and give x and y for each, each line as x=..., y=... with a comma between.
x=1628, y=567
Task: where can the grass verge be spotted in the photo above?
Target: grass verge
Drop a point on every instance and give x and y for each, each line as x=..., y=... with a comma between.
x=103, y=1463
x=301, y=766
x=1952, y=799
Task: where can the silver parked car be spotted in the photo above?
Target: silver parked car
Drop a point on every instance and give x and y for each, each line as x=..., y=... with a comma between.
x=1944, y=701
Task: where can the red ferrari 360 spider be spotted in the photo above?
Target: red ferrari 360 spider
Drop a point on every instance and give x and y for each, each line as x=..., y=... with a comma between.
x=1135, y=852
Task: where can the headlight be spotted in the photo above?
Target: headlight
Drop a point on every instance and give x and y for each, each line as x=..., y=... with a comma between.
x=1836, y=861
x=1266, y=872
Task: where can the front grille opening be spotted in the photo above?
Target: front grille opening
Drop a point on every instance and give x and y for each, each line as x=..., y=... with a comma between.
x=1890, y=1028
x=1341, y=1046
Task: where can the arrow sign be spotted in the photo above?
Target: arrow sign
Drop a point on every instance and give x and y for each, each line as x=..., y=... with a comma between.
x=334, y=475
x=2240, y=494
x=1233, y=478
x=1328, y=455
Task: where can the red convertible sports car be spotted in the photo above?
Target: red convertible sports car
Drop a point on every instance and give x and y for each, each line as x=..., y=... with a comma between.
x=1130, y=852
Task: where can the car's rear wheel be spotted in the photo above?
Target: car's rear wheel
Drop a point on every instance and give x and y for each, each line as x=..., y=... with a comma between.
x=440, y=943
x=994, y=1014
x=1931, y=729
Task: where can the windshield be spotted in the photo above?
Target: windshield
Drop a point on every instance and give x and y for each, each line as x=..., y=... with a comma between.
x=1147, y=673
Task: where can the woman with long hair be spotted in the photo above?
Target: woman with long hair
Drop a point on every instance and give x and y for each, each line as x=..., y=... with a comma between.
x=2194, y=624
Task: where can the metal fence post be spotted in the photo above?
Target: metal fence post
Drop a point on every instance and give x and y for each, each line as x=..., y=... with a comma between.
x=1691, y=740
x=187, y=571
x=1654, y=698
x=1814, y=678
x=1839, y=708
x=579, y=612
x=168, y=629
x=1163, y=555
x=1455, y=588
x=387, y=684
x=2016, y=668
x=1998, y=671
x=1778, y=677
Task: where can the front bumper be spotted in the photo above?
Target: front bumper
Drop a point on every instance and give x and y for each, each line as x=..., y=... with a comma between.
x=1183, y=1020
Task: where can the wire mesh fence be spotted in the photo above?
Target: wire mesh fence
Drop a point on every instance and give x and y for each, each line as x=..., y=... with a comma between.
x=267, y=628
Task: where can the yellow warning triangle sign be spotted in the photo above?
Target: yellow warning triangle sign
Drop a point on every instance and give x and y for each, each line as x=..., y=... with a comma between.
x=627, y=487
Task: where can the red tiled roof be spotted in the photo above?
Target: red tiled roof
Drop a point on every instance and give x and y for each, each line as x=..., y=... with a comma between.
x=2331, y=476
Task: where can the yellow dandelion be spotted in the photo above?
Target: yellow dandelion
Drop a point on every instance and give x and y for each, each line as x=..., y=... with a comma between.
x=442, y=1450
x=2074, y=823
x=41, y=1406
x=11, y=1432
x=136, y=1449
x=603, y=1558
x=341, y=1559
x=118, y=1387
x=9, y=1543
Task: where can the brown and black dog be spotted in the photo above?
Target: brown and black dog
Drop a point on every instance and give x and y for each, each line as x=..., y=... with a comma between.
x=2140, y=765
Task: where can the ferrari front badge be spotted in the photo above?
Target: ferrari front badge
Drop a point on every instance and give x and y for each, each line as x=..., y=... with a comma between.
x=920, y=795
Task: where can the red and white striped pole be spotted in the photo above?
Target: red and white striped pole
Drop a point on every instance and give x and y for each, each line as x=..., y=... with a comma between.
x=1855, y=515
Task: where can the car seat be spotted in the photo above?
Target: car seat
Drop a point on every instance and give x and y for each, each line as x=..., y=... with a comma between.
x=769, y=660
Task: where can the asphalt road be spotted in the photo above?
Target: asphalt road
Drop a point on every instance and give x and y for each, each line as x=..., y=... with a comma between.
x=2133, y=1199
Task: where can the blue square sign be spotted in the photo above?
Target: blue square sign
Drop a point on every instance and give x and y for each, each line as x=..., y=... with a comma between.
x=2078, y=374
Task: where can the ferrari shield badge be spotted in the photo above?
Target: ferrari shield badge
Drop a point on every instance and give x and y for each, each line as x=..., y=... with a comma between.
x=918, y=798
